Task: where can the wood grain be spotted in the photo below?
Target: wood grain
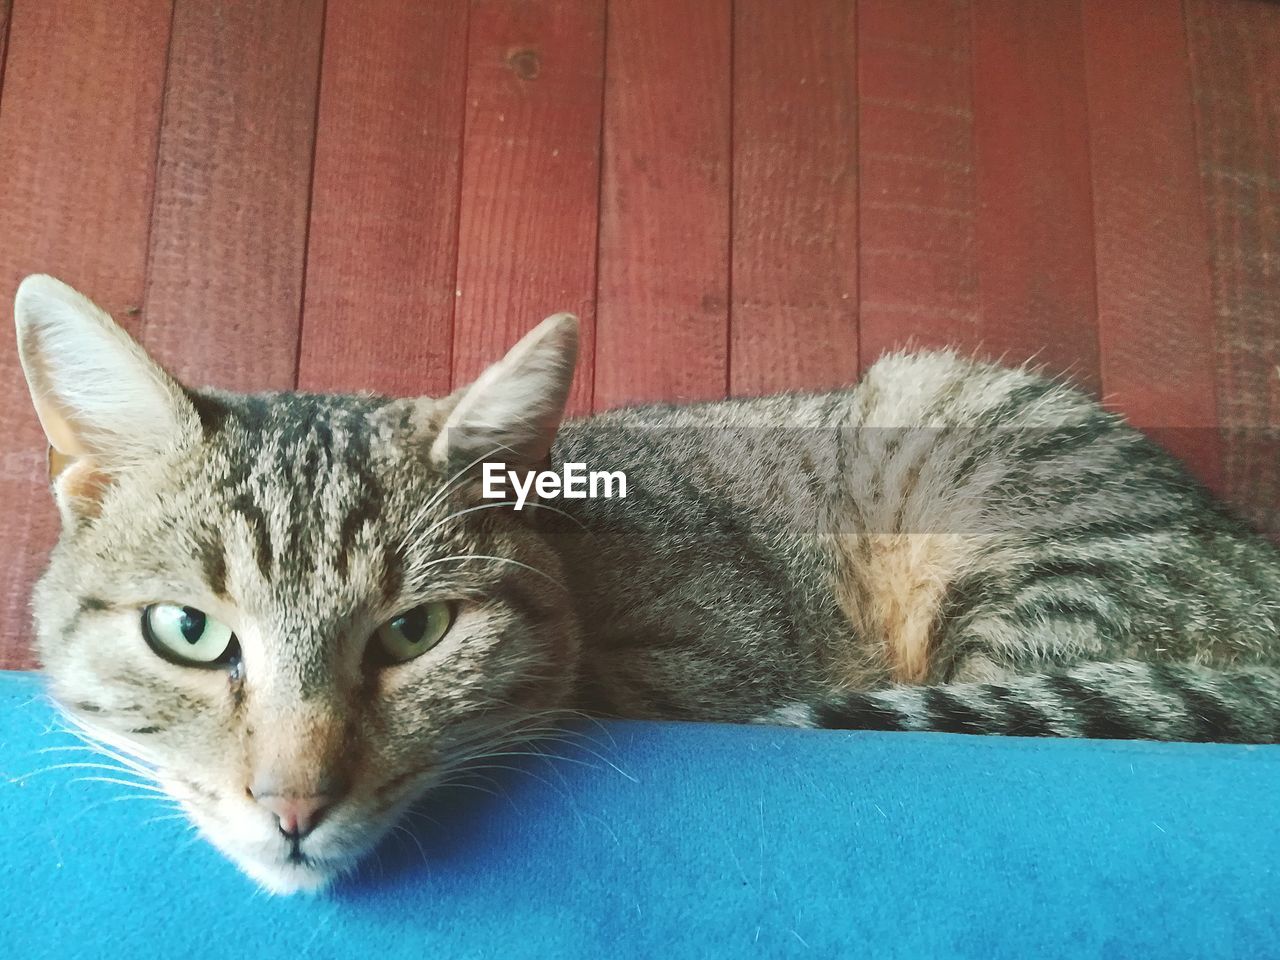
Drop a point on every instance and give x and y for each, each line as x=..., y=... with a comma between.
x=6, y=8
x=1035, y=209
x=735, y=195
x=531, y=175
x=794, y=305
x=382, y=249
x=662, y=324
x=78, y=125
x=1235, y=66
x=228, y=239
x=1155, y=319
x=919, y=283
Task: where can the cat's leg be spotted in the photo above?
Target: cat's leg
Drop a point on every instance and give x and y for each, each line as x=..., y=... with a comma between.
x=1041, y=626
x=916, y=607
x=1055, y=608
x=892, y=588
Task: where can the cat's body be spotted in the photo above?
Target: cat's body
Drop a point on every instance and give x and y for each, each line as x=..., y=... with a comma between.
x=944, y=521
x=947, y=545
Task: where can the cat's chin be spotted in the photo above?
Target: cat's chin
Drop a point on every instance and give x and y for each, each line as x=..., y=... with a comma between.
x=269, y=865
x=284, y=877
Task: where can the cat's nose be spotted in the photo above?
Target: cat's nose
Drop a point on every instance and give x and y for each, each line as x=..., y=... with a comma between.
x=298, y=816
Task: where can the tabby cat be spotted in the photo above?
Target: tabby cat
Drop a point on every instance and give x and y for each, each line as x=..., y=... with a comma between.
x=299, y=612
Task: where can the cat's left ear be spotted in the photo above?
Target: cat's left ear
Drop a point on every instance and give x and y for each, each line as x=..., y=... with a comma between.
x=512, y=411
x=103, y=403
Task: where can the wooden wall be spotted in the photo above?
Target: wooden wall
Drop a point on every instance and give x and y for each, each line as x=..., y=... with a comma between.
x=737, y=196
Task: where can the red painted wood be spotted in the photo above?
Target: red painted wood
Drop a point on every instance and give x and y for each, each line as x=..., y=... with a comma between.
x=6, y=7
x=531, y=174
x=76, y=162
x=1035, y=209
x=1235, y=60
x=662, y=323
x=224, y=288
x=1002, y=147
x=382, y=248
x=919, y=283
x=794, y=304
x=1155, y=319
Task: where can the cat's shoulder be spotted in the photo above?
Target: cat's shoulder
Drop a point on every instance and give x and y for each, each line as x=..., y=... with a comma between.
x=914, y=386
x=908, y=387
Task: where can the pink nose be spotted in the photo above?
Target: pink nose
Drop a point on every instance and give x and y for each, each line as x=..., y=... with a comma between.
x=298, y=816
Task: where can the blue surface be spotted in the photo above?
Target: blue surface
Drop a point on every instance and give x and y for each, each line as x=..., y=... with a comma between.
x=717, y=841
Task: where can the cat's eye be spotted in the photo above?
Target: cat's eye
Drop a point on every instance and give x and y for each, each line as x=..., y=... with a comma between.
x=188, y=636
x=414, y=632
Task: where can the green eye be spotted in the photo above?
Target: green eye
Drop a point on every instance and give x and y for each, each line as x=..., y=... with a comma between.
x=414, y=632
x=187, y=636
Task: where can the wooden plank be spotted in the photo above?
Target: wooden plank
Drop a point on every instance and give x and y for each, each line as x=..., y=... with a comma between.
x=78, y=129
x=662, y=324
x=794, y=301
x=1235, y=61
x=1155, y=319
x=382, y=246
x=531, y=174
x=224, y=288
x=919, y=282
x=1035, y=211
x=6, y=8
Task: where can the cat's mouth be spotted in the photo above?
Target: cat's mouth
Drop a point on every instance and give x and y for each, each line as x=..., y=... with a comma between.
x=294, y=869
x=282, y=864
x=285, y=863
x=296, y=855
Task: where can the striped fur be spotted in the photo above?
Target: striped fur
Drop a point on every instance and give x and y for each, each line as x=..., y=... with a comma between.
x=948, y=545
x=1126, y=700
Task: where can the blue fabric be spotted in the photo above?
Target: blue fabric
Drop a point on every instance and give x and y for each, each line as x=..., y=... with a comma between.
x=688, y=840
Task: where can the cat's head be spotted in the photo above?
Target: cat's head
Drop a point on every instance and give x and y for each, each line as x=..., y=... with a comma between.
x=293, y=611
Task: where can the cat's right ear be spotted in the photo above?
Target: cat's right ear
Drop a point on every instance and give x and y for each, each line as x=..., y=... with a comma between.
x=512, y=411
x=103, y=403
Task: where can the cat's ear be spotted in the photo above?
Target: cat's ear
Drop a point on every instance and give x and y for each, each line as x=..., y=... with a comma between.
x=513, y=410
x=103, y=403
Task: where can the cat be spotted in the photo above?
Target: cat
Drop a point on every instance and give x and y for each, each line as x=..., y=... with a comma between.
x=298, y=612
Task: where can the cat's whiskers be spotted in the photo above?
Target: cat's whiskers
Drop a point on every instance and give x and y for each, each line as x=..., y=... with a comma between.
x=68, y=747
x=167, y=816
x=455, y=781
x=127, y=764
x=558, y=715
x=440, y=494
x=493, y=504
x=471, y=765
x=490, y=744
x=134, y=772
x=108, y=744
x=151, y=786
x=415, y=814
x=120, y=798
x=401, y=829
x=565, y=735
x=459, y=557
x=540, y=755
x=131, y=797
x=141, y=776
x=524, y=735
x=159, y=791
x=489, y=740
x=578, y=745
x=95, y=752
x=482, y=728
x=524, y=722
